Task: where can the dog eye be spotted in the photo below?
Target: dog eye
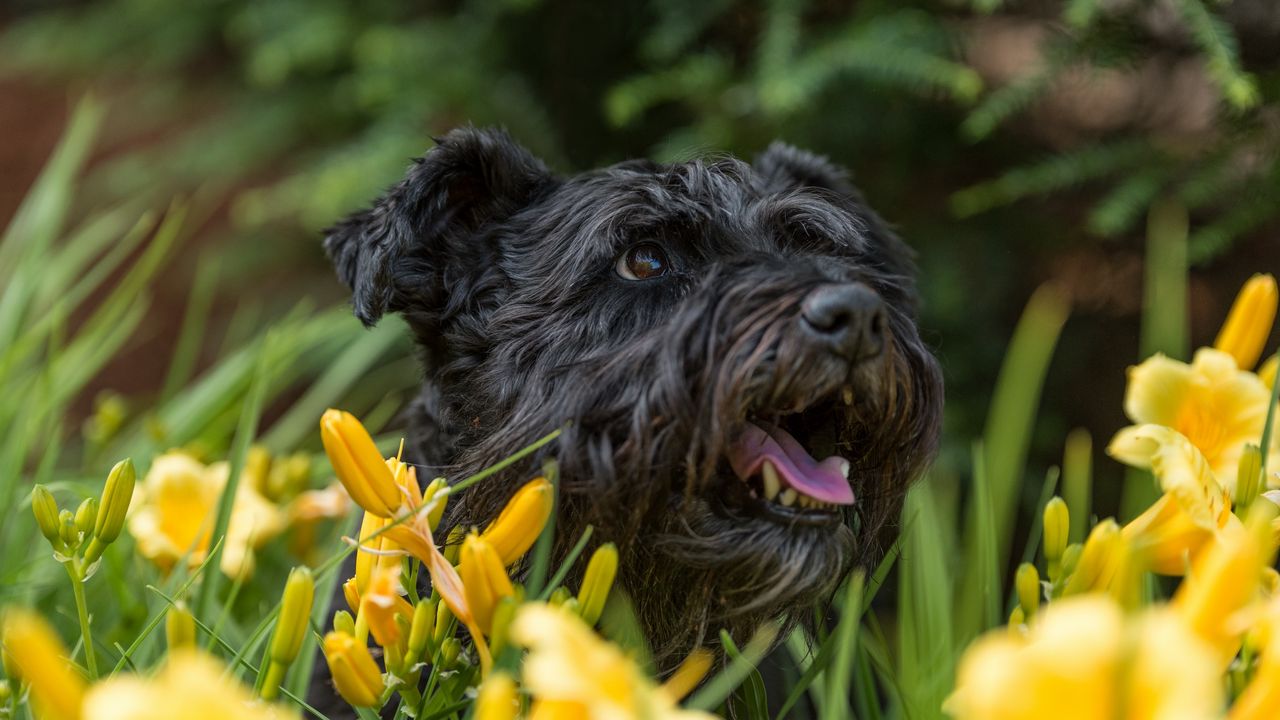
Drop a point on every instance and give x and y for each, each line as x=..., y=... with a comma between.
x=643, y=262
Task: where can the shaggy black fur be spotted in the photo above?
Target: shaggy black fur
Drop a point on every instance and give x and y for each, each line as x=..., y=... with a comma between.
x=507, y=276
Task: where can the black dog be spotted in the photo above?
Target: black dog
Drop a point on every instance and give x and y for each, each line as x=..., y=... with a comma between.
x=731, y=347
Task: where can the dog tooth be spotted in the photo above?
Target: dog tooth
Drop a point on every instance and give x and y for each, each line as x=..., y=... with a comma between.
x=846, y=393
x=772, y=484
x=844, y=468
x=788, y=497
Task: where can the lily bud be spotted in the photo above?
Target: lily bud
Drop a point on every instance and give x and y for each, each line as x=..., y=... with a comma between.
x=1028, y=584
x=67, y=531
x=1097, y=559
x=484, y=579
x=449, y=651
x=344, y=623
x=521, y=521
x=1248, y=325
x=45, y=508
x=112, y=509
x=421, y=630
x=597, y=581
x=356, y=676
x=179, y=627
x=291, y=629
x=500, y=632
x=360, y=467
x=86, y=514
x=1057, y=531
x=295, y=614
x=1250, y=480
x=435, y=486
x=1267, y=373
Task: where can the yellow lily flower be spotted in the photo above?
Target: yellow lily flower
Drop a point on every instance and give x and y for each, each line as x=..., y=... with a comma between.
x=484, y=579
x=42, y=662
x=385, y=553
x=1081, y=660
x=1194, y=507
x=307, y=510
x=1248, y=325
x=1261, y=697
x=173, y=511
x=191, y=686
x=1211, y=402
x=356, y=676
x=497, y=699
x=381, y=603
x=1225, y=579
x=573, y=673
x=521, y=521
x=358, y=464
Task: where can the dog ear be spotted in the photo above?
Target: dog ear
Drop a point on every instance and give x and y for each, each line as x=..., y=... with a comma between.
x=393, y=254
x=783, y=167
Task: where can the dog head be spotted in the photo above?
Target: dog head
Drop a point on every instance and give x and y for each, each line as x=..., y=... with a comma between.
x=731, y=348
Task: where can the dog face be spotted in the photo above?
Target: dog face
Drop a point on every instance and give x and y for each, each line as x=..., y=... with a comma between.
x=731, y=350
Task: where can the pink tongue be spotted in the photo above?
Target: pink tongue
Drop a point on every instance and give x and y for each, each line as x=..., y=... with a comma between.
x=823, y=481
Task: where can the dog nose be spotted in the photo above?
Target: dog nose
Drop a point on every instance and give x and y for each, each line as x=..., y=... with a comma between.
x=849, y=319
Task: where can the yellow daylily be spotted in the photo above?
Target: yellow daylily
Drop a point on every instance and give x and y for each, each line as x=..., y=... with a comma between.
x=191, y=686
x=308, y=509
x=1248, y=325
x=1267, y=373
x=1218, y=407
x=358, y=464
x=356, y=675
x=1225, y=579
x=521, y=521
x=173, y=511
x=381, y=603
x=484, y=579
x=1194, y=507
x=573, y=673
x=1261, y=697
x=42, y=662
x=1082, y=660
x=497, y=699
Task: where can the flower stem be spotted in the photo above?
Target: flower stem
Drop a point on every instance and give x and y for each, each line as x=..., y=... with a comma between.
x=82, y=608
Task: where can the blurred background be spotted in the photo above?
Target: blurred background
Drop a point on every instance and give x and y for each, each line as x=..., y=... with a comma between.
x=1013, y=144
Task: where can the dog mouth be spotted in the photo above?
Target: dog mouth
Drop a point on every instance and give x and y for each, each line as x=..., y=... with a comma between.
x=779, y=476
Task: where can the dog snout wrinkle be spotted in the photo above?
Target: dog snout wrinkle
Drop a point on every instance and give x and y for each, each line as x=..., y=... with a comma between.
x=849, y=319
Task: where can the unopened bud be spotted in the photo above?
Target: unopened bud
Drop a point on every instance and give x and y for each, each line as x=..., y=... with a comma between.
x=559, y=596
x=86, y=514
x=344, y=623
x=435, y=486
x=1249, y=477
x=112, y=509
x=1096, y=559
x=449, y=651
x=1057, y=529
x=453, y=544
x=444, y=624
x=45, y=508
x=597, y=581
x=179, y=627
x=295, y=614
x=421, y=631
x=67, y=531
x=503, y=614
x=1028, y=584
